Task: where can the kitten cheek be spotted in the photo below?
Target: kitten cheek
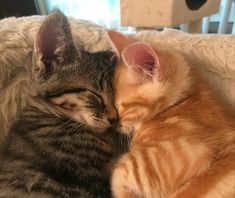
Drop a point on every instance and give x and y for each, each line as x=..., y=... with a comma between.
x=126, y=128
x=78, y=117
x=95, y=123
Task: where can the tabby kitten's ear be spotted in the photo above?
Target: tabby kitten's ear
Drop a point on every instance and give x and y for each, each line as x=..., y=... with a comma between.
x=54, y=45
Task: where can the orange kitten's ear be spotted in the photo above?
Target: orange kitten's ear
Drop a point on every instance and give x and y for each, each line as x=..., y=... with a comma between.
x=118, y=41
x=143, y=59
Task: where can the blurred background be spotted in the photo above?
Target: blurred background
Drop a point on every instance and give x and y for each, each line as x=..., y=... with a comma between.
x=108, y=13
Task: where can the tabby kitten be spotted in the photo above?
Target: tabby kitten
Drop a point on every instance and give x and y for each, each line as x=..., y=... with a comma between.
x=57, y=147
x=183, y=140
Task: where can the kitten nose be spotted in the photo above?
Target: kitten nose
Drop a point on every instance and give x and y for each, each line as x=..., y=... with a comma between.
x=113, y=116
x=113, y=121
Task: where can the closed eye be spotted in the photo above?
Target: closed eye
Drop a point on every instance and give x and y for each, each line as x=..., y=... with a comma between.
x=90, y=104
x=70, y=98
x=60, y=92
x=95, y=102
x=98, y=96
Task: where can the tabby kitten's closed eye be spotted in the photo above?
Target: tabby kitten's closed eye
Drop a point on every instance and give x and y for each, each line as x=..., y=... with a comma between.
x=56, y=148
x=183, y=139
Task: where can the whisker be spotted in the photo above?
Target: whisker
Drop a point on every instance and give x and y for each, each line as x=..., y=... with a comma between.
x=110, y=135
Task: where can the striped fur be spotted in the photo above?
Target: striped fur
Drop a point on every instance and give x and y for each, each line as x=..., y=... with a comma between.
x=61, y=145
x=183, y=142
x=16, y=43
x=51, y=156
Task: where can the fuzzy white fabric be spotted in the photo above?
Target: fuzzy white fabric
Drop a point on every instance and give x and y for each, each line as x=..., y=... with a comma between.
x=215, y=55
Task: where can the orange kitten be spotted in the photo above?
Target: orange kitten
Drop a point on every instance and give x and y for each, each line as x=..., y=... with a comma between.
x=183, y=141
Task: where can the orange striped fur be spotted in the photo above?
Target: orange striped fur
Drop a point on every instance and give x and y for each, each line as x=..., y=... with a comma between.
x=183, y=139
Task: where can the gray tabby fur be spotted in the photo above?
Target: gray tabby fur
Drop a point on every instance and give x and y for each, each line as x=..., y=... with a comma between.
x=16, y=44
x=51, y=150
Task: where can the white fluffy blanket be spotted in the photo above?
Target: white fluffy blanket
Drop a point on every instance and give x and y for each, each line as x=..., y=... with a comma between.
x=214, y=54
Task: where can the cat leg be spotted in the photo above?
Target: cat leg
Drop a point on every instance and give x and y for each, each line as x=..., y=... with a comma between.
x=123, y=181
x=159, y=170
x=132, y=178
x=217, y=182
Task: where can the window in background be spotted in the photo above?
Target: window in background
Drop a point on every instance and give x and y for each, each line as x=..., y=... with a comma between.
x=107, y=12
x=218, y=21
x=103, y=12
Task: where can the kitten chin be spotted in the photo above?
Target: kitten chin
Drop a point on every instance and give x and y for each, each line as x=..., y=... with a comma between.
x=129, y=128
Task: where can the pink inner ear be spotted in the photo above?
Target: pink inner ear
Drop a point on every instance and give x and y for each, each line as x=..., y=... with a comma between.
x=142, y=57
x=48, y=42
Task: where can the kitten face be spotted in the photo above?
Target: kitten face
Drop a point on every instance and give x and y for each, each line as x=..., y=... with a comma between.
x=77, y=82
x=84, y=90
x=147, y=81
